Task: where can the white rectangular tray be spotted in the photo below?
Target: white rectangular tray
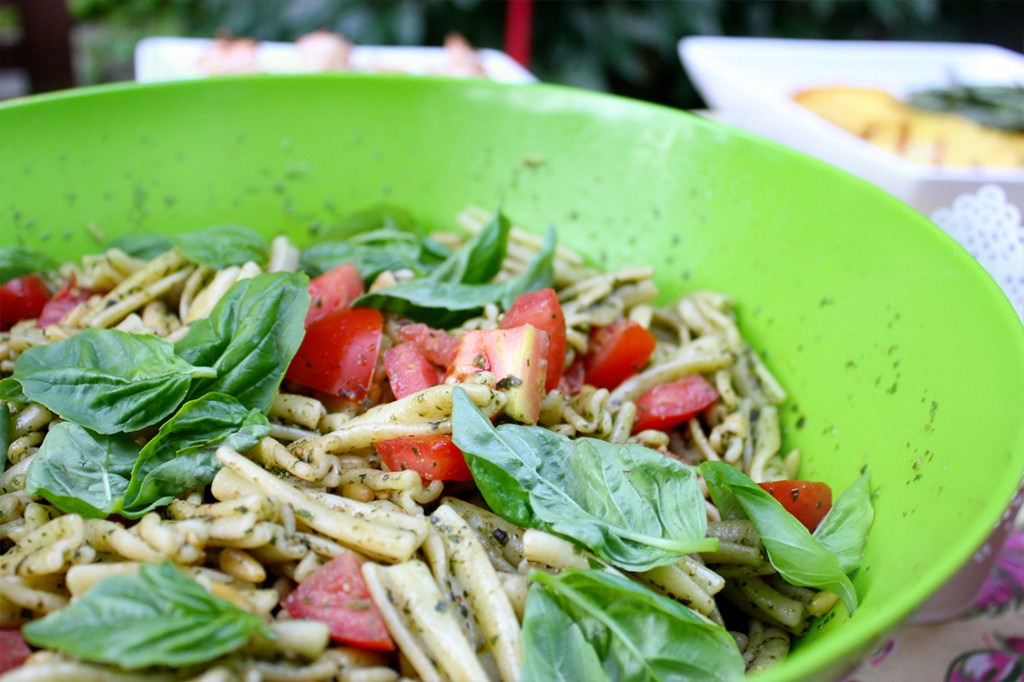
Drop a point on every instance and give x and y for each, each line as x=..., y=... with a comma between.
x=749, y=83
x=164, y=58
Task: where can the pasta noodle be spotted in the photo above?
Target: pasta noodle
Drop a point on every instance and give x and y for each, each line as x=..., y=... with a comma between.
x=448, y=574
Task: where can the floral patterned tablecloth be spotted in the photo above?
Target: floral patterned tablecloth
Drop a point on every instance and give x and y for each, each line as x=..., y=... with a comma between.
x=984, y=645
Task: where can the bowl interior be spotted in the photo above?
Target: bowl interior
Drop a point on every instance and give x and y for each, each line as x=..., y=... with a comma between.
x=899, y=352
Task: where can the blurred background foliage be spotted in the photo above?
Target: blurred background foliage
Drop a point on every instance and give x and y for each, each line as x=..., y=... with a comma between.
x=622, y=46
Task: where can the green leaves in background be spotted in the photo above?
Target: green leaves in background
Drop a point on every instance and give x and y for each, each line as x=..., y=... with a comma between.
x=592, y=625
x=17, y=261
x=631, y=506
x=222, y=246
x=157, y=617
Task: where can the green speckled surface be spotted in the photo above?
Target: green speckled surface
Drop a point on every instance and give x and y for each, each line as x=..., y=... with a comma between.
x=899, y=352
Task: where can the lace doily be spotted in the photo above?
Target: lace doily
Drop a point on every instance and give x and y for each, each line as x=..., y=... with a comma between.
x=989, y=227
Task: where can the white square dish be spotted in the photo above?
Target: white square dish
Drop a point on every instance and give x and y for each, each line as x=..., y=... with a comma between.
x=749, y=82
x=164, y=58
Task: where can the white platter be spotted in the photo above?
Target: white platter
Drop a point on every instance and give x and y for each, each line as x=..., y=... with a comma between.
x=749, y=82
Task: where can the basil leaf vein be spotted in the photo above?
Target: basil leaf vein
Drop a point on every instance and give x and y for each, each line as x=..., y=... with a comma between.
x=629, y=631
x=795, y=554
x=156, y=617
x=629, y=505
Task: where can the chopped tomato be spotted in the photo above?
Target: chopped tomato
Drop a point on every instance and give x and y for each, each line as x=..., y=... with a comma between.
x=436, y=345
x=573, y=379
x=408, y=370
x=667, y=406
x=542, y=310
x=518, y=358
x=432, y=457
x=617, y=352
x=808, y=501
x=336, y=594
x=22, y=298
x=14, y=649
x=333, y=291
x=339, y=353
x=67, y=298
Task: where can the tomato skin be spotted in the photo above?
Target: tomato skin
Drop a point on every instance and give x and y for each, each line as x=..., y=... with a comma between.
x=618, y=351
x=339, y=353
x=808, y=501
x=432, y=457
x=436, y=345
x=67, y=298
x=666, y=406
x=333, y=291
x=14, y=649
x=22, y=298
x=573, y=378
x=336, y=594
x=408, y=370
x=542, y=310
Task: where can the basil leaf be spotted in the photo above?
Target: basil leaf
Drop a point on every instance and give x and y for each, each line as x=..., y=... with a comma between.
x=844, y=530
x=142, y=246
x=375, y=217
x=635, y=633
x=795, y=554
x=156, y=617
x=629, y=505
x=106, y=380
x=181, y=457
x=18, y=261
x=370, y=259
x=222, y=246
x=10, y=390
x=249, y=338
x=479, y=259
x=555, y=647
x=82, y=472
x=5, y=434
x=449, y=304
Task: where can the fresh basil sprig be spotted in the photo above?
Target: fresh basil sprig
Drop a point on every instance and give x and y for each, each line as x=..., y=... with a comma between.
x=157, y=617
x=796, y=555
x=479, y=259
x=249, y=338
x=592, y=625
x=629, y=505
x=17, y=261
x=222, y=246
x=107, y=380
x=446, y=303
x=844, y=530
x=95, y=475
x=374, y=252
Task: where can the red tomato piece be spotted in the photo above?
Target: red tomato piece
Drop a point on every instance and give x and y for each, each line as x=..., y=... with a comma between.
x=436, y=345
x=336, y=594
x=14, y=649
x=542, y=310
x=408, y=370
x=22, y=298
x=339, y=353
x=432, y=457
x=667, y=406
x=617, y=352
x=67, y=298
x=808, y=501
x=333, y=291
x=574, y=377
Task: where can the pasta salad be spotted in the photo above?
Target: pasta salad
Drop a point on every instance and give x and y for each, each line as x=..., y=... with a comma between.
x=388, y=455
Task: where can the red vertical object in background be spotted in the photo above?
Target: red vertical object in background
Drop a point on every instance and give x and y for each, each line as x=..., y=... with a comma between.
x=519, y=30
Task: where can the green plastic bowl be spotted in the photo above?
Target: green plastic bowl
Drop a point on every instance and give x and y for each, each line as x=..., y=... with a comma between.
x=900, y=354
